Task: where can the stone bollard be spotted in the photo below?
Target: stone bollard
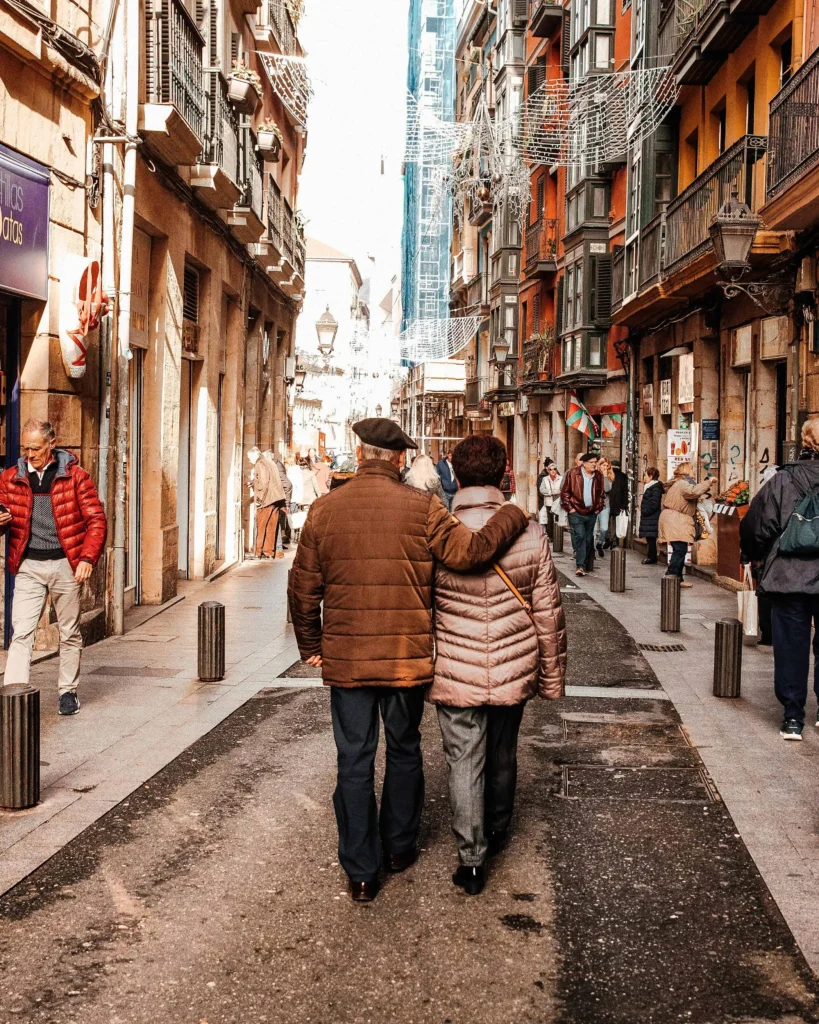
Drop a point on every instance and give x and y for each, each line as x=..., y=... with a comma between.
x=557, y=543
x=211, y=641
x=727, y=658
x=19, y=746
x=670, y=604
x=287, y=599
x=617, y=579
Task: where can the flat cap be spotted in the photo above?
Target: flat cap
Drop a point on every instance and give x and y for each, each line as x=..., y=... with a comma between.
x=588, y=457
x=383, y=433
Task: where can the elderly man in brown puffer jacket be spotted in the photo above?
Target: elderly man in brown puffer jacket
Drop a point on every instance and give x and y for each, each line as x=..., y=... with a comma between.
x=368, y=551
x=500, y=640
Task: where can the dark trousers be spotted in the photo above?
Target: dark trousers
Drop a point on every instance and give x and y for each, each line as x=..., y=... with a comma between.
x=481, y=749
x=361, y=831
x=651, y=545
x=582, y=531
x=285, y=525
x=679, y=549
x=792, y=616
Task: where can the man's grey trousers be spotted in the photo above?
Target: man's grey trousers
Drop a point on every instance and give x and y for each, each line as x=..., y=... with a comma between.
x=481, y=749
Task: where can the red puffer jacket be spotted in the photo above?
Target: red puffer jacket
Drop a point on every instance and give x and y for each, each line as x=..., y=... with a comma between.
x=78, y=513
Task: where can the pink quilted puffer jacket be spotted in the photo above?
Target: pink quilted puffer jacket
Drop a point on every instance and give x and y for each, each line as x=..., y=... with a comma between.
x=488, y=649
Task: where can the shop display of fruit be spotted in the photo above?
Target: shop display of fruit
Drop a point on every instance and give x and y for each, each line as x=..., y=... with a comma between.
x=737, y=494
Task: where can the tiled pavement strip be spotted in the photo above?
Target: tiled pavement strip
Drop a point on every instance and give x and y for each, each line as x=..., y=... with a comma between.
x=133, y=724
x=768, y=785
x=142, y=705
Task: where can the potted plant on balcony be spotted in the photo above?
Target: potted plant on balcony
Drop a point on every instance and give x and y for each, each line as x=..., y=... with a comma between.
x=269, y=140
x=296, y=8
x=244, y=88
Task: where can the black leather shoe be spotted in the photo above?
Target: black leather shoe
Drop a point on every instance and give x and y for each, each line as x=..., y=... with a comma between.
x=363, y=892
x=649, y=561
x=496, y=841
x=600, y=551
x=397, y=862
x=469, y=879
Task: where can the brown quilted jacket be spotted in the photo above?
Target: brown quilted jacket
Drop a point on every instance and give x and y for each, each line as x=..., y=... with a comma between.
x=488, y=649
x=368, y=551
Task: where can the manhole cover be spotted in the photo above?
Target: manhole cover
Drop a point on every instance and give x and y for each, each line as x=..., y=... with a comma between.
x=135, y=670
x=658, y=785
x=662, y=648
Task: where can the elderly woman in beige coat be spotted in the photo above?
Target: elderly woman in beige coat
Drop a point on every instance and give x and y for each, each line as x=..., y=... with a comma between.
x=500, y=639
x=678, y=517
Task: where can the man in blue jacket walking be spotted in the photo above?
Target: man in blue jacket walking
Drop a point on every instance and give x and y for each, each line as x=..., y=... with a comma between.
x=448, y=481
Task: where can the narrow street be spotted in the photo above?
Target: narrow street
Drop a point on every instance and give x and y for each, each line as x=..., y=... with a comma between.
x=212, y=893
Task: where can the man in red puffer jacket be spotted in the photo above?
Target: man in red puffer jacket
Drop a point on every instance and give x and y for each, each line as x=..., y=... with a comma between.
x=56, y=533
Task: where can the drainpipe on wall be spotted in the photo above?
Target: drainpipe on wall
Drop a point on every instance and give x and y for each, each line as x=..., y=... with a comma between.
x=123, y=353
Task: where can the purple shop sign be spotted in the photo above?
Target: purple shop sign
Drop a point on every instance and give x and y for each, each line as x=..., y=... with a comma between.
x=24, y=194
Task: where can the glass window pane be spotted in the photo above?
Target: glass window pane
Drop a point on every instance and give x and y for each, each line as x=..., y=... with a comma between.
x=595, y=351
x=578, y=351
x=603, y=12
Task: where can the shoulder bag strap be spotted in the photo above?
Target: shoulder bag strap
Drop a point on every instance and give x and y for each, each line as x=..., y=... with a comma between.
x=526, y=605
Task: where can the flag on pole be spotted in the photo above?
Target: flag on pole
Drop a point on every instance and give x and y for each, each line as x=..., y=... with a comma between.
x=579, y=417
x=610, y=423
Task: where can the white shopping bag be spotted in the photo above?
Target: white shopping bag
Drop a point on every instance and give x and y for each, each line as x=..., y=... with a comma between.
x=747, y=611
x=543, y=516
x=621, y=525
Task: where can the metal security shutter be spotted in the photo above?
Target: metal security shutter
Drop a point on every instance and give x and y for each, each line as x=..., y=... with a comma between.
x=601, y=282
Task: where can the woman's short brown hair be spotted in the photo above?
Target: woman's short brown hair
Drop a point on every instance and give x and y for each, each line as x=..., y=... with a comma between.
x=653, y=472
x=479, y=461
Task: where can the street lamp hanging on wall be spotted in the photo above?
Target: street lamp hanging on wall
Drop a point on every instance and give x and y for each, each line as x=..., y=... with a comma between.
x=732, y=231
x=378, y=410
x=326, y=328
x=501, y=349
x=299, y=377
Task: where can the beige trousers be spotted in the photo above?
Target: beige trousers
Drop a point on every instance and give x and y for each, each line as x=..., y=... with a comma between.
x=33, y=583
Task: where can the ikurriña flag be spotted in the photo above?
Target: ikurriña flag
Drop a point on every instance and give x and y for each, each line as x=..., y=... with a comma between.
x=579, y=417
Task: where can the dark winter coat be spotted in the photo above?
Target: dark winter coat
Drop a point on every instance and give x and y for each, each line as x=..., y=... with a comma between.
x=618, y=495
x=447, y=475
x=650, y=507
x=760, y=530
x=78, y=513
x=361, y=585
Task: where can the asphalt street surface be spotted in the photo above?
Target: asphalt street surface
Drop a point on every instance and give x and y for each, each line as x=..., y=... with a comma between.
x=213, y=894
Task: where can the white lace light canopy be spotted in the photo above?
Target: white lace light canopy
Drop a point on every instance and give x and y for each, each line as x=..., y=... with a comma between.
x=437, y=339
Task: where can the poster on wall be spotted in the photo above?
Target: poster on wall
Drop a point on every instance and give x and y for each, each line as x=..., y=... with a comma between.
x=24, y=198
x=685, y=386
x=665, y=397
x=679, y=449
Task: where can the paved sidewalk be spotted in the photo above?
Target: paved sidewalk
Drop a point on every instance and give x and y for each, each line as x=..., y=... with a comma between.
x=768, y=785
x=142, y=705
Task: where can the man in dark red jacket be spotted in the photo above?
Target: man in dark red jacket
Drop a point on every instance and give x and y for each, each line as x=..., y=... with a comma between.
x=56, y=533
x=582, y=497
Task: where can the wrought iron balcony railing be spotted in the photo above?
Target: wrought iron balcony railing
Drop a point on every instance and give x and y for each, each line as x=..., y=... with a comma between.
x=793, y=128
x=287, y=232
x=541, y=245
x=475, y=389
x=538, y=357
x=478, y=294
x=274, y=213
x=173, y=61
x=279, y=19
x=688, y=216
x=299, y=249
x=221, y=144
x=250, y=168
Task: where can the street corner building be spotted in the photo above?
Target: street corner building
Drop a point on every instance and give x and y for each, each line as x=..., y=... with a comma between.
x=152, y=263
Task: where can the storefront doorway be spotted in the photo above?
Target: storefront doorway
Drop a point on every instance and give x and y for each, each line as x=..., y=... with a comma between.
x=183, y=479
x=9, y=426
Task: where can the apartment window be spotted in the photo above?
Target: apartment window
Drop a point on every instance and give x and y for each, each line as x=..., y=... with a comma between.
x=577, y=362
x=599, y=201
x=693, y=151
x=595, y=350
x=567, y=355
x=602, y=51
x=636, y=170
x=536, y=313
x=786, y=62
x=540, y=196
x=750, y=99
x=524, y=313
x=604, y=12
x=638, y=16
x=721, y=129
x=578, y=292
x=569, y=297
x=664, y=166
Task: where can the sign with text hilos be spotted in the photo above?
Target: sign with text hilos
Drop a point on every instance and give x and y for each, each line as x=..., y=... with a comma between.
x=24, y=199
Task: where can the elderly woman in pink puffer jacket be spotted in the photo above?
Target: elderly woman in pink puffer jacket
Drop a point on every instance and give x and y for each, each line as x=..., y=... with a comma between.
x=500, y=639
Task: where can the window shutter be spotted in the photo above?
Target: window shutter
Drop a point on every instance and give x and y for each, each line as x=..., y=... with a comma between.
x=520, y=12
x=601, y=315
x=536, y=313
x=565, y=42
x=540, y=186
x=559, y=309
x=531, y=74
x=213, y=35
x=190, y=295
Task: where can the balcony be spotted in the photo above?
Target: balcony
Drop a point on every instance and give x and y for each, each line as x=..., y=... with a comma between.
x=172, y=118
x=689, y=215
x=541, y=248
x=699, y=34
x=268, y=250
x=476, y=404
x=793, y=150
x=477, y=298
x=247, y=6
x=545, y=16
x=652, y=244
x=463, y=269
x=504, y=381
x=277, y=27
x=537, y=375
x=216, y=175
x=246, y=216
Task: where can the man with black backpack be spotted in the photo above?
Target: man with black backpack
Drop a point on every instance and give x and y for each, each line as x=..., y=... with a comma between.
x=781, y=530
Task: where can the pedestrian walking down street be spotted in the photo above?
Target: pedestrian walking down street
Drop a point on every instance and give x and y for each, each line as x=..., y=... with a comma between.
x=322, y=475
x=582, y=497
x=601, y=527
x=618, y=501
x=549, y=496
x=500, y=640
x=650, y=506
x=790, y=578
x=448, y=481
x=268, y=496
x=296, y=479
x=424, y=476
x=56, y=534
x=287, y=487
x=368, y=553
x=678, y=518
x=546, y=463
x=509, y=487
